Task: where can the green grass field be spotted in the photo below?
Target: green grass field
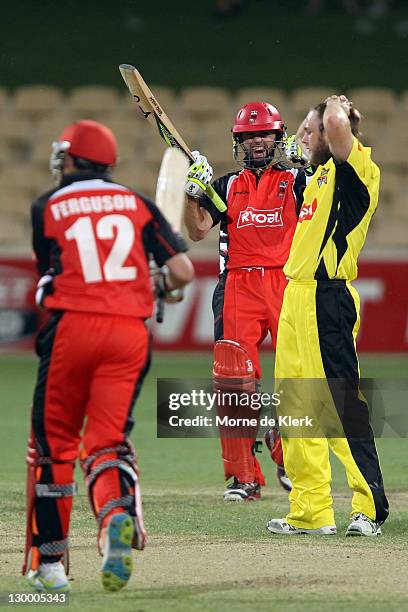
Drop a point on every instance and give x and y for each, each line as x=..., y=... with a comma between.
x=203, y=554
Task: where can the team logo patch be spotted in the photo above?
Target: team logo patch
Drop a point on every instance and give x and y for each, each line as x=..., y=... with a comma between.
x=282, y=188
x=260, y=218
x=307, y=211
x=322, y=179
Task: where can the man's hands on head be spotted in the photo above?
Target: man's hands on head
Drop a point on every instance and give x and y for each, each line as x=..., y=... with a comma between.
x=337, y=124
x=341, y=100
x=199, y=176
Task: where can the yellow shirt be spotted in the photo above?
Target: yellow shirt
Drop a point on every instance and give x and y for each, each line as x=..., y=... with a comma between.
x=338, y=204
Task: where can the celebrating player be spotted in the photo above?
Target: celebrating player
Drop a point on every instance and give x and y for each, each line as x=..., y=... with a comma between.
x=255, y=236
x=92, y=238
x=319, y=323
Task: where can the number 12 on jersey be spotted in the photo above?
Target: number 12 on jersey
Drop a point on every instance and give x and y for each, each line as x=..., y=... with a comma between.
x=112, y=269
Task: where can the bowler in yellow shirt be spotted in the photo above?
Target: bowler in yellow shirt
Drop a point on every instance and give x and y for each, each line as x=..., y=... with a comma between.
x=319, y=322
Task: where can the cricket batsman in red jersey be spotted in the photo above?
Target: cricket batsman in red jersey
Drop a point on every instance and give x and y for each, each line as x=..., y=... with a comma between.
x=92, y=241
x=256, y=231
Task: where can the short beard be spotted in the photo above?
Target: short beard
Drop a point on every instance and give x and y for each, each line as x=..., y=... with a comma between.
x=321, y=155
x=260, y=162
x=248, y=161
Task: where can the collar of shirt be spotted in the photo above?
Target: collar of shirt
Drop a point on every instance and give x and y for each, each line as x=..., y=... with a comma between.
x=67, y=179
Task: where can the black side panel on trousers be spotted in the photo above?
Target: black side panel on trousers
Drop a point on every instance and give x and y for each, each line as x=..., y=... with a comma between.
x=336, y=316
x=43, y=346
x=46, y=509
x=46, y=514
x=130, y=421
x=218, y=307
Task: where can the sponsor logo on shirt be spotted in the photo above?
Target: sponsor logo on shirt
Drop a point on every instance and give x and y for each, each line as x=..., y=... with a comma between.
x=307, y=211
x=260, y=218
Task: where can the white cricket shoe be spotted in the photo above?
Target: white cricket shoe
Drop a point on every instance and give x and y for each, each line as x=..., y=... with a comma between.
x=49, y=577
x=281, y=527
x=242, y=491
x=361, y=525
x=283, y=478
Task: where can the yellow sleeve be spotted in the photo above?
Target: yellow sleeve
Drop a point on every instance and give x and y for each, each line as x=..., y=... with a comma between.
x=360, y=159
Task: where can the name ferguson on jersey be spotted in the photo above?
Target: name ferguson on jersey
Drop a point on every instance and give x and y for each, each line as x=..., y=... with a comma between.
x=96, y=203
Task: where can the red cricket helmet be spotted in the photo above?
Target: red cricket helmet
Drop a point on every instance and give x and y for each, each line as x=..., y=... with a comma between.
x=256, y=117
x=90, y=140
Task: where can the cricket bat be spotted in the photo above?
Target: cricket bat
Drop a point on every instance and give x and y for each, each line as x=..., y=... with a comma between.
x=170, y=198
x=30, y=499
x=170, y=186
x=154, y=114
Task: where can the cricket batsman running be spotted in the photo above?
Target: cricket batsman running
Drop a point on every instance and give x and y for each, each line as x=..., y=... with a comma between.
x=92, y=238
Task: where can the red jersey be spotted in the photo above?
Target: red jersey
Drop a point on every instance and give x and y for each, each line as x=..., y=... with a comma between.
x=258, y=226
x=97, y=236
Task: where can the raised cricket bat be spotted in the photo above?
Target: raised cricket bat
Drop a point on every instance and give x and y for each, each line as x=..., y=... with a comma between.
x=153, y=112
x=170, y=197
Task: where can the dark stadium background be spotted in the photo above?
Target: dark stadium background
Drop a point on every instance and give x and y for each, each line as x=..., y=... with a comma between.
x=179, y=43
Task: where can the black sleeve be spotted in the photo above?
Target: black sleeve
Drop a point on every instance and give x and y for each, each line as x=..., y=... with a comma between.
x=354, y=195
x=298, y=189
x=159, y=238
x=42, y=246
x=220, y=186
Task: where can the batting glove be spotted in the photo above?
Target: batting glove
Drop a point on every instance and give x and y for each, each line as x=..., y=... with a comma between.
x=158, y=279
x=294, y=153
x=199, y=176
x=44, y=287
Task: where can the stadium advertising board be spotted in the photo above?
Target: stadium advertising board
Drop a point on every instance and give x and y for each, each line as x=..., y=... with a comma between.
x=384, y=299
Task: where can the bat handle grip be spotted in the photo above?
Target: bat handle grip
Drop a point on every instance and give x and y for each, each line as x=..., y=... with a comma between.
x=215, y=198
x=160, y=310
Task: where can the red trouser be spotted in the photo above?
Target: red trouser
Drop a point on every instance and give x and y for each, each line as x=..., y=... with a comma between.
x=247, y=304
x=91, y=367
